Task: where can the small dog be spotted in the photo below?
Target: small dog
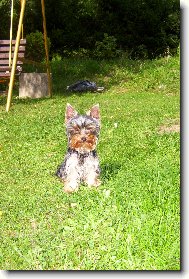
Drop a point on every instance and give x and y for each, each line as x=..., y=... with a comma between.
x=81, y=163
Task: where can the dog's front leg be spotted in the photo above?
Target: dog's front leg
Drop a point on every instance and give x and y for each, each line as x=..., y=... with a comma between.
x=70, y=173
x=92, y=171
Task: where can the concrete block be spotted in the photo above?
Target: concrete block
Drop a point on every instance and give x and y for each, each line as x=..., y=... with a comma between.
x=33, y=85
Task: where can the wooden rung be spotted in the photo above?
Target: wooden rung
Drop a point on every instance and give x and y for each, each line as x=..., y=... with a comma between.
x=7, y=75
x=8, y=71
x=4, y=69
x=6, y=48
x=6, y=55
x=7, y=42
x=6, y=62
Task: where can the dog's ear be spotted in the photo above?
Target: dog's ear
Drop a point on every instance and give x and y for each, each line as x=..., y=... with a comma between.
x=70, y=113
x=94, y=112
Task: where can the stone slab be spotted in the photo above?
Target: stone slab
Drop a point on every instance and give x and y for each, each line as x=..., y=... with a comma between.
x=33, y=85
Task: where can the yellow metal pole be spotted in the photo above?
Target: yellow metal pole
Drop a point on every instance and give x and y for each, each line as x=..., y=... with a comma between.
x=46, y=50
x=13, y=69
x=22, y=24
x=10, y=47
x=22, y=31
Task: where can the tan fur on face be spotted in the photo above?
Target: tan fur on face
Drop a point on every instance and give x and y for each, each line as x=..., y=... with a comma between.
x=80, y=146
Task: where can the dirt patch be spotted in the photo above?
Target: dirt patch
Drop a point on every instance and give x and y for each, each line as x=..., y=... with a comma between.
x=175, y=128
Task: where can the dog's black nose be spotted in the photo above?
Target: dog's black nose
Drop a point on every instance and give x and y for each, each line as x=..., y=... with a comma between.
x=83, y=139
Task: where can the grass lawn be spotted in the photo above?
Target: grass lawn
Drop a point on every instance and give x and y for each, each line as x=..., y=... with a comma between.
x=132, y=221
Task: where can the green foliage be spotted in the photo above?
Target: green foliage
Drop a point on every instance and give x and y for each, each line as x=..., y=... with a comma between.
x=132, y=221
x=139, y=52
x=144, y=29
x=35, y=49
x=107, y=48
x=5, y=11
x=79, y=53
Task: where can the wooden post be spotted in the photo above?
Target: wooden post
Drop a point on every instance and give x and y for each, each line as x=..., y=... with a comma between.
x=10, y=50
x=13, y=69
x=46, y=50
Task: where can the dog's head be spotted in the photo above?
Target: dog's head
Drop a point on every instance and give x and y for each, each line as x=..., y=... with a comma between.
x=82, y=130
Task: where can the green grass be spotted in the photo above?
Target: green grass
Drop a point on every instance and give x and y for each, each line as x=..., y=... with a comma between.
x=132, y=221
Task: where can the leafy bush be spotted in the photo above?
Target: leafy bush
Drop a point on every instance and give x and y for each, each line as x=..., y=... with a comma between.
x=139, y=52
x=79, y=53
x=107, y=48
x=35, y=49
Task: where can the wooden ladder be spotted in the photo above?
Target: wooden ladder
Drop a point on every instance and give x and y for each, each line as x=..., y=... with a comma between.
x=5, y=66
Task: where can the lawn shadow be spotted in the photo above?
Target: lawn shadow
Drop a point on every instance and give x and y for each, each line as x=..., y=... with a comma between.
x=109, y=170
x=106, y=72
x=24, y=101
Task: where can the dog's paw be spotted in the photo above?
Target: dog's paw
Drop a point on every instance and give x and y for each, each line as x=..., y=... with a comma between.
x=95, y=183
x=70, y=187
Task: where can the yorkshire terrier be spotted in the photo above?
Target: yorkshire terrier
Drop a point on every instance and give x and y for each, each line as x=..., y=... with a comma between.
x=81, y=163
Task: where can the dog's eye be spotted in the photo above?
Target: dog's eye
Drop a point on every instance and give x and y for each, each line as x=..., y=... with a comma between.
x=73, y=130
x=90, y=128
